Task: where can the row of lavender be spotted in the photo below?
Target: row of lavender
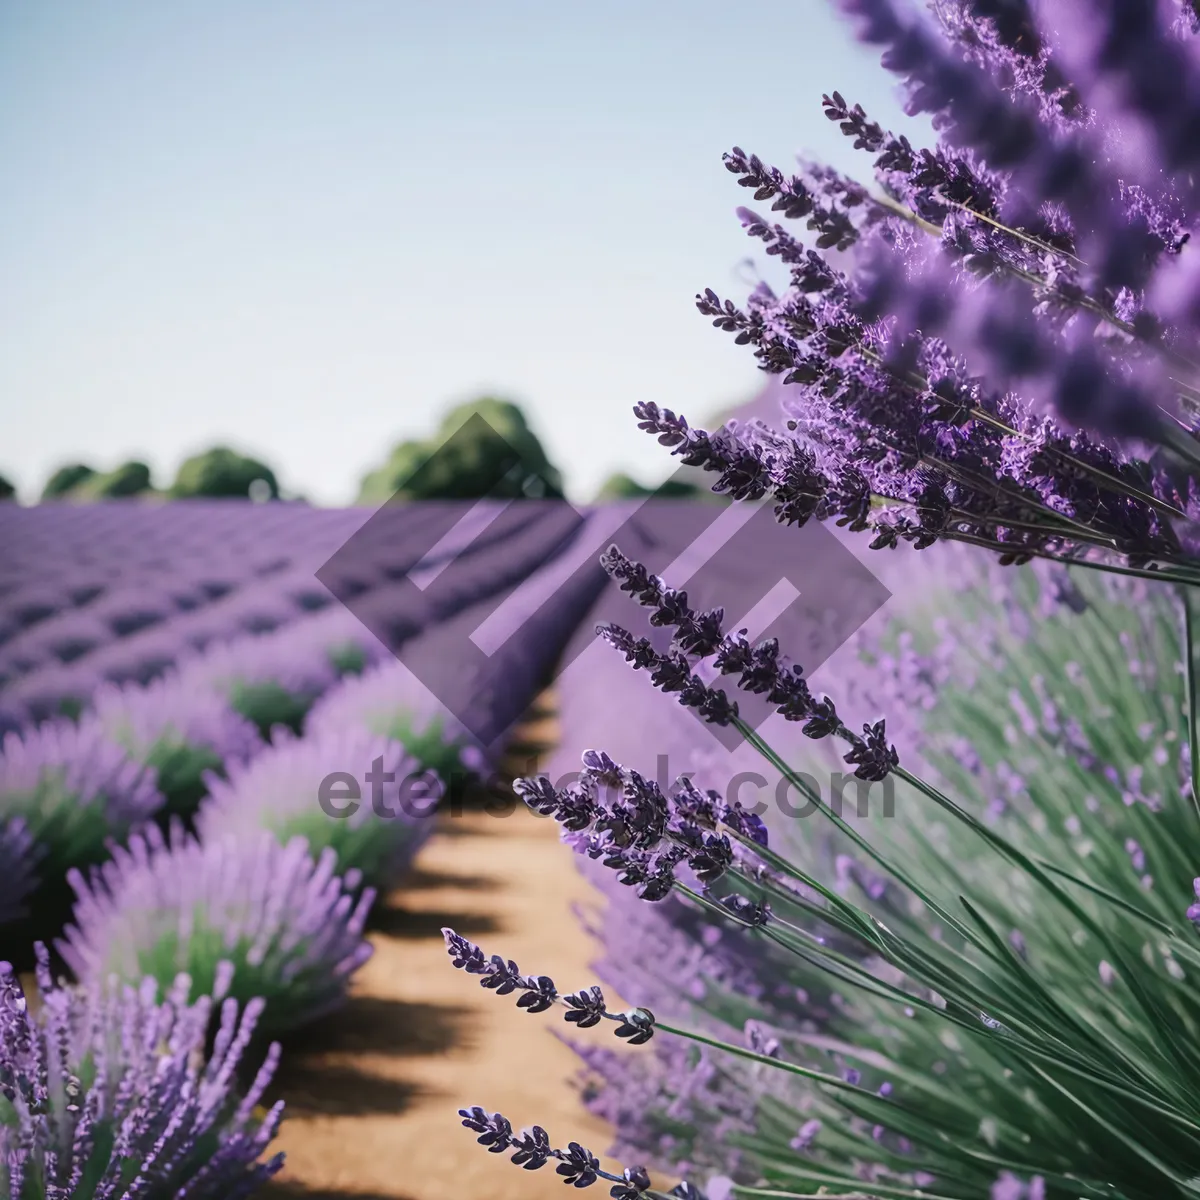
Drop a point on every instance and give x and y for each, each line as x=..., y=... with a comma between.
x=163, y=820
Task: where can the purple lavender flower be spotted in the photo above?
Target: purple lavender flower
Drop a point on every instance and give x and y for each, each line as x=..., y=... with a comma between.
x=577, y=1165
x=108, y=1085
x=640, y=832
x=19, y=857
x=273, y=679
x=1011, y=1187
x=1193, y=912
x=389, y=701
x=360, y=794
x=290, y=928
x=74, y=789
x=537, y=993
x=179, y=731
x=1040, y=244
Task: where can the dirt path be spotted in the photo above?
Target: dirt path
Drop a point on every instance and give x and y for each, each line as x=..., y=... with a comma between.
x=373, y=1092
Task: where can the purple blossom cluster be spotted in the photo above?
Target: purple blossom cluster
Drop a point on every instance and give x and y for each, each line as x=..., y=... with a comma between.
x=69, y=789
x=110, y=1086
x=389, y=701
x=760, y=669
x=19, y=855
x=1001, y=352
x=280, y=790
x=285, y=926
x=625, y=821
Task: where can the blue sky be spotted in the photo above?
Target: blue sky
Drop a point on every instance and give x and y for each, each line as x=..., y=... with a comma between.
x=306, y=228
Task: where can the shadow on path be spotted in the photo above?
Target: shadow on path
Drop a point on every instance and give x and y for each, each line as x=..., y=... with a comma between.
x=377, y=1025
x=401, y=923
x=333, y=1090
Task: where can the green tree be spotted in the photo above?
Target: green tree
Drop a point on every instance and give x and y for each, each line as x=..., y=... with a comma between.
x=129, y=479
x=620, y=486
x=65, y=480
x=7, y=491
x=459, y=462
x=222, y=472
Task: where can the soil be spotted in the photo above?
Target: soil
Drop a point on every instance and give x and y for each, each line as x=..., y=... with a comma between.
x=373, y=1092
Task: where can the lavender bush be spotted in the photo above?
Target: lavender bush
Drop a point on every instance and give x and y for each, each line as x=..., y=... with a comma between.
x=1112, y=808
x=180, y=732
x=107, y=1093
x=19, y=856
x=993, y=997
x=272, y=679
x=284, y=925
x=73, y=789
x=375, y=835
x=389, y=701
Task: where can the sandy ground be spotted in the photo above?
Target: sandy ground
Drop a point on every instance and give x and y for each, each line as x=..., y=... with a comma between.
x=373, y=1092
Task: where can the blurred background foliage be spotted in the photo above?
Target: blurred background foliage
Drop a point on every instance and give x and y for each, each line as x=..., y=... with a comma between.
x=457, y=462
x=466, y=465
x=223, y=472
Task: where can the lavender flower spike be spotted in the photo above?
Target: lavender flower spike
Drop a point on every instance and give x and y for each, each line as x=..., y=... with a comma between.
x=19, y=855
x=538, y=993
x=117, y=1060
x=760, y=669
x=577, y=1165
x=289, y=926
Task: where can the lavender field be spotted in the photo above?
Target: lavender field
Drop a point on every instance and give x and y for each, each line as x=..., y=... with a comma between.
x=178, y=681
x=821, y=820
x=184, y=664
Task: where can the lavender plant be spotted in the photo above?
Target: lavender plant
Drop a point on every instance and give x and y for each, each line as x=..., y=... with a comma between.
x=246, y=916
x=72, y=789
x=373, y=828
x=1027, y=996
x=389, y=701
x=1104, y=795
x=271, y=679
x=998, y=992
x=179, y=732
x=19, y=855
x=107, y=1093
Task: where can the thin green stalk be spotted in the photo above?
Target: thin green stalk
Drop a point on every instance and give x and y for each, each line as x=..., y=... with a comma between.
x=1111, y=898
x=877, y=1190
x=1189, y=659
x=1116, y=1131
x=912, y=962
x=1129, y=970
x=766, y=1060
x=771, y=888
x=1110, y=568
x=896, y=873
